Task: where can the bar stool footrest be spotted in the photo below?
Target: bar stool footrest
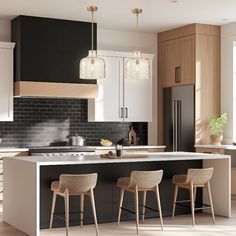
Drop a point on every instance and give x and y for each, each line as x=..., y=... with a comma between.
x=60, y=215
x=202, y=205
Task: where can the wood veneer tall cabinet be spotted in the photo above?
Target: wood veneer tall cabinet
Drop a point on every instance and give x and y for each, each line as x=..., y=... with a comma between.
x=190, y=55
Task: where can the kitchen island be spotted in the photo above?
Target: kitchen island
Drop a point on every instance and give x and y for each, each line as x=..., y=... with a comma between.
x=27, y=195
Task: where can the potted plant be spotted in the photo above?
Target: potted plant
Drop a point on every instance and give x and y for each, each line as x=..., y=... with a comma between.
x=217, y=127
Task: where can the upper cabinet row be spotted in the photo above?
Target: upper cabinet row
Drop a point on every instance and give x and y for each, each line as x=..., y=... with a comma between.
x=6, y=81
x=120, y=98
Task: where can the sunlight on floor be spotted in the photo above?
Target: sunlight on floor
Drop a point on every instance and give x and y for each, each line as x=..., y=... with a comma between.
x=181, y=226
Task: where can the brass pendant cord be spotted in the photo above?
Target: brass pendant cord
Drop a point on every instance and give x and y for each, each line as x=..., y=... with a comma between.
x=92, y=9
x=137, y=12
x=92, y=33
x=137, y=32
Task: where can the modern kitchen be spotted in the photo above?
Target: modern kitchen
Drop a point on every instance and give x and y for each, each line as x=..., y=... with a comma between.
x=117, y=118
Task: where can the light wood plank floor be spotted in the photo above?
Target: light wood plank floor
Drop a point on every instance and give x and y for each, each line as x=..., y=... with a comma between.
x=181, y=226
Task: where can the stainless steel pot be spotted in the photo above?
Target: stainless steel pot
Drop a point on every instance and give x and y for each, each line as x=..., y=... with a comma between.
x=77, y=140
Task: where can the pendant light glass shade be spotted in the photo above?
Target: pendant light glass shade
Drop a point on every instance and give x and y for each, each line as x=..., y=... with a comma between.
x=92, y=66
x=137, y=67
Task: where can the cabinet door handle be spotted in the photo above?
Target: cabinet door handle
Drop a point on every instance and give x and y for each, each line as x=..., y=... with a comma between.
x=121, y=112
x=126, y=112
x=178, y=74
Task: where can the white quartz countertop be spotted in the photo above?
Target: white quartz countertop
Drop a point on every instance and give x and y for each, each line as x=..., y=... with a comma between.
x=13, y=149
x=228, y=147
x=134, y=157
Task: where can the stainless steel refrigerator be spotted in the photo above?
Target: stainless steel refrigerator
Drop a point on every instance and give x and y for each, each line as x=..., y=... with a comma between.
x=179, y=124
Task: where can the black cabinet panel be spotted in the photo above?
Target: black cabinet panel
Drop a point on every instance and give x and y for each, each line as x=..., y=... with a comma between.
x=49, y=50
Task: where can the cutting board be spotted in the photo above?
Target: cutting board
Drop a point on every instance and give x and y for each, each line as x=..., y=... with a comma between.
x=123, y=157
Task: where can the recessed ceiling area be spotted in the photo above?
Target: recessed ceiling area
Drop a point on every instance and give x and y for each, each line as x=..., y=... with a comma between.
x=158, y=15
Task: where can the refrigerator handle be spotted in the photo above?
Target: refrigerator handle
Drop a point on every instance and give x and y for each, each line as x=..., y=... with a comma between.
x=174, y=125
x=178, y=129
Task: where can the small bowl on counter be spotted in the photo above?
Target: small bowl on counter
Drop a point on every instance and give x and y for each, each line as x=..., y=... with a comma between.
x=106, y=143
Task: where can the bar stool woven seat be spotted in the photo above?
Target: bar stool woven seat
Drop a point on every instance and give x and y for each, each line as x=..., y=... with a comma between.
x=179, y=179
x=55, y=186
x=123, y=182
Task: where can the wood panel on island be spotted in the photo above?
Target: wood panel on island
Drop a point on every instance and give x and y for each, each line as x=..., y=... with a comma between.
x=190, y=55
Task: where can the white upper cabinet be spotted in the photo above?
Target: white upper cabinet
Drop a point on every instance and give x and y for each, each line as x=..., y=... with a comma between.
x=119, y=98
x=6, y=81
x=138, y=99
x=109, y=103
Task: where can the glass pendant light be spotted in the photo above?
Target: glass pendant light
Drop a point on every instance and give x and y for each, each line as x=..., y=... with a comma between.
x=137, y=67
x=92, y=66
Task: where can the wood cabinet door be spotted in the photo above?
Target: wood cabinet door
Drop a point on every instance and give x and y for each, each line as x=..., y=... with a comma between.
x=6, y=84
x=172, y=62
x=187, y=60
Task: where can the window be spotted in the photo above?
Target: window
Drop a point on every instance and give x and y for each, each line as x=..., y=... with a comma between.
x=234, y=91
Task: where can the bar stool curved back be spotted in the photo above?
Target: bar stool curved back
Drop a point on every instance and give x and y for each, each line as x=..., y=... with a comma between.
x=145, y=179
x=199, y=176
x=77, y=183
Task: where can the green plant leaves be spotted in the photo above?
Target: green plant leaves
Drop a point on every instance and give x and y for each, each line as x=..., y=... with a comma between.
x=217, y=124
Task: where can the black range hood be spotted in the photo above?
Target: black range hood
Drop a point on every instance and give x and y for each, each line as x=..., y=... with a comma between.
x=47, y=56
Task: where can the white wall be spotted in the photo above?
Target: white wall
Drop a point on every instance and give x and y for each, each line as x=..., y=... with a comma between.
x=125, y=41
x=5, y=30
x=228, y=36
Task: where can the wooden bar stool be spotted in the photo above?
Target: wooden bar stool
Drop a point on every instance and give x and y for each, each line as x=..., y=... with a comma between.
x=140, y=181
x=195, y=178
x=74, y=185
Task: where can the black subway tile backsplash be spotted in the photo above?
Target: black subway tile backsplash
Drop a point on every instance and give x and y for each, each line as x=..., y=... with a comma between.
x=43, y=122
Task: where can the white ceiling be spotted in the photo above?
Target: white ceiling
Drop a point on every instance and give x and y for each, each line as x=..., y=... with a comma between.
x=158, y=15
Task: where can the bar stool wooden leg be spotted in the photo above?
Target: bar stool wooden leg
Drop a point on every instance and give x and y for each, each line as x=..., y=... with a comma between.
x=174, y=201
x=54, y=198
x=194, y=193
x=192, y=203
x=211, y=202
x=136, y=207
x=94, y=210
x=66, y=198
x=121, y=203
x=81, y=210
x=144, y=203
x=159, y=205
